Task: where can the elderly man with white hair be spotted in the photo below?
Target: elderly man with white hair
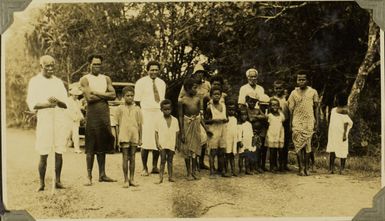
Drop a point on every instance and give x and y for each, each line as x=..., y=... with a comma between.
x=47, y=96
x=251, y=89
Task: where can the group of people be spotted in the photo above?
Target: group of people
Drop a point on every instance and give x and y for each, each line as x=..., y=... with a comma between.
x=209, y=122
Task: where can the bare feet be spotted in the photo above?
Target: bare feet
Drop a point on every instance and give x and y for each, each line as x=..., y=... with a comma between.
x=132, y=183
x=106, y=179
x=59, y=185
x=301, y=173
x=145, y=173
x=89, y=183
x=155, y=170
x=196, y=177
x=171, y=180
x=190, y=178
x=41, y=188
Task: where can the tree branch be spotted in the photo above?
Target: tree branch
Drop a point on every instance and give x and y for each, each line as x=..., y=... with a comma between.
x=374, y=65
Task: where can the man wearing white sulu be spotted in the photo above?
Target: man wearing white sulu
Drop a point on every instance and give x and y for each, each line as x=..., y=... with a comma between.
x=149, y=92
x=46, y=95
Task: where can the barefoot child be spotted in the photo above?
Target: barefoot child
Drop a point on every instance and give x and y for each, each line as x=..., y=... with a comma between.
x=190, y=122
x=166, y=135
x=279, y=94
x=129, y=118
x=231, y=136
x=275, y=134
x=340, y=124
x=245, y=134
x=258, y=121
x=303, y=106
x=216, y=119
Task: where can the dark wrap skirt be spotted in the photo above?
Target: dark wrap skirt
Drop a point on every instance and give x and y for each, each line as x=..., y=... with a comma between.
x=98, y=136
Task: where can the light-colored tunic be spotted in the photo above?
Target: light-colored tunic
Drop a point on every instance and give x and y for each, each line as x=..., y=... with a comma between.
x=245, y=134
x=218, y=129
x=144, y=94
x=275, y=135
x=231, y=135
x=301, y=104
x=53, y=127
x=129, y=119
x=336, y=132
x=167, y=135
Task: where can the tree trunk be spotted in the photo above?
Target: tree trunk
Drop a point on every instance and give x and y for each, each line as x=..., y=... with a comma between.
x=365, y=67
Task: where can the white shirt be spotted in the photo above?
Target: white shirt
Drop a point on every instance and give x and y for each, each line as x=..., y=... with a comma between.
x=52, y=128
x=167, y=135
x=144, y=92
x=246, y=89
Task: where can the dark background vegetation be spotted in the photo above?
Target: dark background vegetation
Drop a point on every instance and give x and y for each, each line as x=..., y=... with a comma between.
x=327, y=39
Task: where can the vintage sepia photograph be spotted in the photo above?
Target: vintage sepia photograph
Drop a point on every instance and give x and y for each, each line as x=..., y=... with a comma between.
x=191, y=109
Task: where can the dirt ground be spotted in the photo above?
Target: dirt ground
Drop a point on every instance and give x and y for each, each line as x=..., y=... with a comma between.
x=259, y=195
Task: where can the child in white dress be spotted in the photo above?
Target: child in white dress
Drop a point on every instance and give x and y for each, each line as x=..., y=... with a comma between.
x=246, y=148
x=275, y=136
x=340, y=124
x=76, y=116
x=231, y=136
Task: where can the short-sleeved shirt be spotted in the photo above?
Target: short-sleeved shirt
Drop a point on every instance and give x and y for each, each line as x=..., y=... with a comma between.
x=247, y=90
x=167, y=135
x=144, y=92
x=301, y=104
x=129, y=119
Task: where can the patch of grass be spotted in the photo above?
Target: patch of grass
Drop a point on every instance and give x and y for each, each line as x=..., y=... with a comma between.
x=360, y=164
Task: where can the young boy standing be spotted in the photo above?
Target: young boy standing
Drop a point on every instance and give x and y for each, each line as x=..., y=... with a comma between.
x=190, y=122
x=129, y=118
x=279, y=94
x=303, y=105
x=216, y=119
x=166, y=136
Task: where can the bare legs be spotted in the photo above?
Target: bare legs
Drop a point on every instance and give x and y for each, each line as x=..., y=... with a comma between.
x=155, y=157
x=43, y=167
x=129, y=155
x=101, y=158
x=166, y=155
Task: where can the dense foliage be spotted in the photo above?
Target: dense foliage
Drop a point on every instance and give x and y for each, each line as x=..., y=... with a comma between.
x=328, y=39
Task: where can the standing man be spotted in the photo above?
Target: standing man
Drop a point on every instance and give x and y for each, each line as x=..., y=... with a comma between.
x=303, y=104
x=99, y=140
x=149, y=92
x=46, y=95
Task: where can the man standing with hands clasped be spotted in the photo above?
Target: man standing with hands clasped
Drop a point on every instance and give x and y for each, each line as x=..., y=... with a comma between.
x=46, y=95
x=149, y=92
